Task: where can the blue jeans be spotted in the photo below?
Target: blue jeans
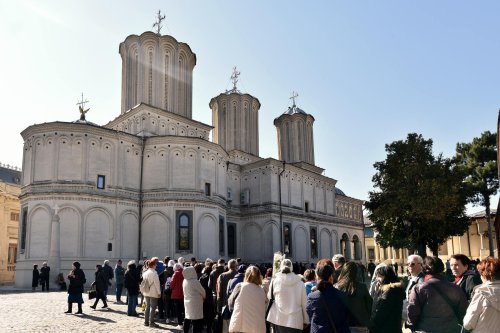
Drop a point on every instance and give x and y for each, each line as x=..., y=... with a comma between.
x=119, y=289
x=132, y=303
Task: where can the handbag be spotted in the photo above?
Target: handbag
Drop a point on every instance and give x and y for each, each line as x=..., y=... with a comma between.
x=271, y=301
x=92, y=293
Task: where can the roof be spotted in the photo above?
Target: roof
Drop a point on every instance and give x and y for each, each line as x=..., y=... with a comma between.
x=482, y=214
x=10, y=176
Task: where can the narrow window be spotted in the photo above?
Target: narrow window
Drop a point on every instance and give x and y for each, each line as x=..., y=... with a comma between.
x=207, y=189
x=14, y=216
x=287, y=238
x=24, y=222
x=306, y=207
x=101, y=182
x=231, y=240
x=314, y=243
x=12, y=254
x=183, y=232
x=221, y=235
x=110, y=246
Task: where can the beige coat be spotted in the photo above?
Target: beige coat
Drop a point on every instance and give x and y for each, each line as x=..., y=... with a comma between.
x=249, y=309
x=483, y=313
x=154, y=283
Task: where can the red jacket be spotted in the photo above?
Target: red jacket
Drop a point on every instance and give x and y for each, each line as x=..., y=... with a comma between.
x=176, y=285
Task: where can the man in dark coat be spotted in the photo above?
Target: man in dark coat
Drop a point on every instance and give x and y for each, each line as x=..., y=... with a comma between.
x=44, y=276
x=465, y=277
x=338, y=262
x=371, y=268
x=222, y=297
x=108, y=274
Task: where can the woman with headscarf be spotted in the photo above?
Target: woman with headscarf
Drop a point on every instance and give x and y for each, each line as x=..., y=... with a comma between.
x=177, y=294
x=288, y=296
x=326, y=306
x=194, y=295
x=76, y=280
x=36, y=277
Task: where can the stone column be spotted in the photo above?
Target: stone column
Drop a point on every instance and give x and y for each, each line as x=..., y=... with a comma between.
x=55, y=253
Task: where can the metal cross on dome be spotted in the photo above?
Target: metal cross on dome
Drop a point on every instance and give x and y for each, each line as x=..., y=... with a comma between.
x=294, y=96
x=234, y=78
x=81, y=107
x=157, y=24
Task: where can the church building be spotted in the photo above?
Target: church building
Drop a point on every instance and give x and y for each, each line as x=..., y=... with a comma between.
x=152, y=183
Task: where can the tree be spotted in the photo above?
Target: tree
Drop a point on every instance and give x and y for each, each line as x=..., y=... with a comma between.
x=478, y=160
x=418, y=199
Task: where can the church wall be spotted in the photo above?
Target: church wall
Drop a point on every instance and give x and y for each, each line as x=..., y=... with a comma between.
x=43, y=151
x=69, y=161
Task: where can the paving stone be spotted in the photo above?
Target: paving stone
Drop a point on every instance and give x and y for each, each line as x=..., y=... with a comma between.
x=26, y=311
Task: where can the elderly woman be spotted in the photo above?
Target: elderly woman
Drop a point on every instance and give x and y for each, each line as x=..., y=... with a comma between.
x=177, y=295
x=248, y=303
x=76, y=280
x=194, y=295
x=288, y=312
x=483, y=313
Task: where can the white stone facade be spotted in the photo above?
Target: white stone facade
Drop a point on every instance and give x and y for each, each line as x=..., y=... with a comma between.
x=150, y=183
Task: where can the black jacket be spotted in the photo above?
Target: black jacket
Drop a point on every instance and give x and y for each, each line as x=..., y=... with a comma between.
x=76, y=281
x=131, y=281
x=36, y=277
x=101, y=281
x=468, y=282
x=388, y=308
x=44, y=273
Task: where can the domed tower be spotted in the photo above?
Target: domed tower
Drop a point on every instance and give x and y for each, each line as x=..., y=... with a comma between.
x=295, y=135
x=235, y=117
x=157, y=70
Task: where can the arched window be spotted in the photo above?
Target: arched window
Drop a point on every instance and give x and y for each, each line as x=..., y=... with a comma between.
x=184, y=231
x=344, y=246
x=314, y=243
x=357, y=247
x=287, y=238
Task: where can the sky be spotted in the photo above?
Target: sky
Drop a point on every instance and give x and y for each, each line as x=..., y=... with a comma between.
x=370, y=72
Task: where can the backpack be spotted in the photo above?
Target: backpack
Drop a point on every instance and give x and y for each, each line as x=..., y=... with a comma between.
x=144, y=286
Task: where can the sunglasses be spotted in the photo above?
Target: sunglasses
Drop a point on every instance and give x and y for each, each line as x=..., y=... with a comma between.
x=413, y=264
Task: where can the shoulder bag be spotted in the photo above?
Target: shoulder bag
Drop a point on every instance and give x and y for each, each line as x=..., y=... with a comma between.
x=334, y=328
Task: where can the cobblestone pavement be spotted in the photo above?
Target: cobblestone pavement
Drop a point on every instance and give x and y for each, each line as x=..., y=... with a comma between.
x=26, y=311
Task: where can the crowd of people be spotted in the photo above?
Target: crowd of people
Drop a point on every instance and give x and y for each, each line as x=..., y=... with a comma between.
x=330, y=296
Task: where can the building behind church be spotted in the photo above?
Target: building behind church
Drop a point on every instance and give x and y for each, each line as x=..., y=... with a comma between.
x=151, y=183
x=10, y=189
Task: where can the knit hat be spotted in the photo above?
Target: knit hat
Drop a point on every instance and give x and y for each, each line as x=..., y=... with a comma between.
x=242, y=269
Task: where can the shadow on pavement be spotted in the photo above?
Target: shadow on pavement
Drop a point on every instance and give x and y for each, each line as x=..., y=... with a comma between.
x=96, y=318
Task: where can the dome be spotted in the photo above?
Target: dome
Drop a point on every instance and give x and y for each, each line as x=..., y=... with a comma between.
x=339, y=192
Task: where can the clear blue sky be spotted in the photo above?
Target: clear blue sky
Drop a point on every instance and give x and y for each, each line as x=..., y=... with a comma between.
x=369, y=72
